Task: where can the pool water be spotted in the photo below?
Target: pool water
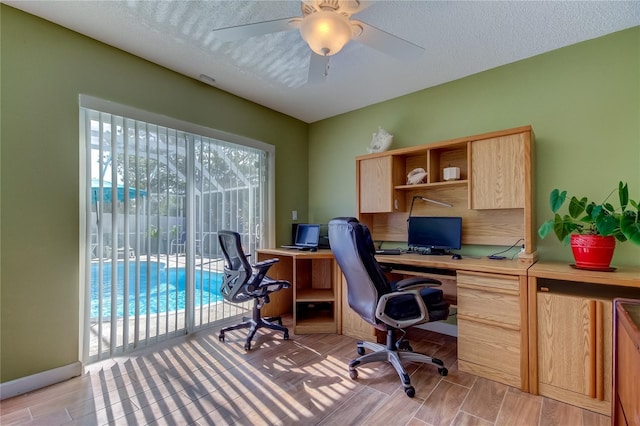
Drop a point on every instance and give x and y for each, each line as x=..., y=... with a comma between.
x=166, y=288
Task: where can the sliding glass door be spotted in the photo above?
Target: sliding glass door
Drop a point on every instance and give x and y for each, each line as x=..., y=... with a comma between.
x=156, y=197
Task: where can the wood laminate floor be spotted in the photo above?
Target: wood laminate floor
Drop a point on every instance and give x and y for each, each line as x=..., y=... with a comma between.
x=197, y=380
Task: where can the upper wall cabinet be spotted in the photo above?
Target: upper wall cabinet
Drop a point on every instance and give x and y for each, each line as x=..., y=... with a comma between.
x=498, y=175
x=492, y=192
x=377, y=178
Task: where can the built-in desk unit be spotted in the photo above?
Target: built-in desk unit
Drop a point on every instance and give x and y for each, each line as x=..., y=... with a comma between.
x=570, y=331
x=314, y=296
x=490, y=297
x=493, y=196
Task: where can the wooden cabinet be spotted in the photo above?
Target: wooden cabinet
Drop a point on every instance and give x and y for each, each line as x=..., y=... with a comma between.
x=626, y=363
x=498, y=173
x=493, y=195
x=377, y=179
x=570, y=331
x=574, y=349
x=314, y=296
x=352, y=323
x=490, y=327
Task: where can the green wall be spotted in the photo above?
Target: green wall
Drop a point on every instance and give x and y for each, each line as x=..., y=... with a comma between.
x=583, y=102
x=43, y=70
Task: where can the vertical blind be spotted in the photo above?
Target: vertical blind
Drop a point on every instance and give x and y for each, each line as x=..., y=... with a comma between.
x=156, y=197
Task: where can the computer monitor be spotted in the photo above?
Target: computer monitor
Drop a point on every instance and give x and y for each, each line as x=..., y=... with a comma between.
x=434, y=234
x=307, y=235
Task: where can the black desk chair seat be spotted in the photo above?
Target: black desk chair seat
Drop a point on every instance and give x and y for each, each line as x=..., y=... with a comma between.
x=243, y=281
x=386, y=306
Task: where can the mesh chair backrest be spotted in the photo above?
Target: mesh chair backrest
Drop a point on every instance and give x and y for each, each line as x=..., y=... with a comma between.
x=237, y=269
x=353, y=249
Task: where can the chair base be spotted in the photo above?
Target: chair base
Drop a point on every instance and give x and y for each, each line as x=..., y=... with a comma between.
x=389, y=353
x=255, y=323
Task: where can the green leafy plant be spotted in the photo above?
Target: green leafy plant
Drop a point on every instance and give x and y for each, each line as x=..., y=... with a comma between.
x=587, y=217
x=154, y=231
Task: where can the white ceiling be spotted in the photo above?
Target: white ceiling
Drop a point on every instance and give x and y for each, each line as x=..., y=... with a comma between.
x=460, y=38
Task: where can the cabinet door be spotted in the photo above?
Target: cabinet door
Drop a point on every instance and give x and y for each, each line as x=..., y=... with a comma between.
x=574, y=347
x=498, y=173
x=376, y=185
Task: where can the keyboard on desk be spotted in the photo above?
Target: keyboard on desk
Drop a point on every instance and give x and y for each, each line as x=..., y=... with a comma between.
x=417, y=268
x=389, y=251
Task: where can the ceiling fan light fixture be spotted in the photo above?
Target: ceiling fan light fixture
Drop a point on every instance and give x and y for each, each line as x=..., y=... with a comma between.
x=326, y=32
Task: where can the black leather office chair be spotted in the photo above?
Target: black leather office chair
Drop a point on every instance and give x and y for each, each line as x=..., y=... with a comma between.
x=243, y=281
x=386, y=306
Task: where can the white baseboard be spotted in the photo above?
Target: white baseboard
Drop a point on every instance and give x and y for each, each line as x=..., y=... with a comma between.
x=39, y=380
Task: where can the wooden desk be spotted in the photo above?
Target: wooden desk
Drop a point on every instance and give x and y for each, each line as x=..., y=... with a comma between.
x=570, y=331
x=491, y=311
x=314, y=296
x=626, y=362
x=510, y=267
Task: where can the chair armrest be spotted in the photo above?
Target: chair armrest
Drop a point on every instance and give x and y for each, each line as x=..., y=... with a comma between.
x=382, y=304
x=266, y=263
x=385, y=268
x=417, y=282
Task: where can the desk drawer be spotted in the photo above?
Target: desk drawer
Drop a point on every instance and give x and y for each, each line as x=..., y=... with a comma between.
x=497, y=282
x=489, y=351
x=490, y=306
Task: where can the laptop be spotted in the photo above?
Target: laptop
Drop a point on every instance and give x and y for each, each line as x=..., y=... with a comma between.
x=307, y=236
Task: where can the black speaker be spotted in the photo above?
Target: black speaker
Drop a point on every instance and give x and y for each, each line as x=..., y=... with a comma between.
x=294, y=230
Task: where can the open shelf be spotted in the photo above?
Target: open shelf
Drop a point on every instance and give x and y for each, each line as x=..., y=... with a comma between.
x=432, y=185
x=315, y=295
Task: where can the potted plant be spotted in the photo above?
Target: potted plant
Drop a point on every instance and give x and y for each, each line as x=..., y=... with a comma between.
x=592, y=229
x=154, y=233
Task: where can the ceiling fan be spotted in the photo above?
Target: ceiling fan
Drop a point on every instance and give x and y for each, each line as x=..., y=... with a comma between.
x=326, y=26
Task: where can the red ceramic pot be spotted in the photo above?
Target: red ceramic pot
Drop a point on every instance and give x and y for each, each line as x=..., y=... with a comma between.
x=592, y=251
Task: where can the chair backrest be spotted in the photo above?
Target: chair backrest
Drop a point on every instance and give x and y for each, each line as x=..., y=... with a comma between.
x=237, y=269
x=353, y=249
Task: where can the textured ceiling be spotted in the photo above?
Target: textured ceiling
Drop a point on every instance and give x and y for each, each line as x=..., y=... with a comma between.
x=460, y=38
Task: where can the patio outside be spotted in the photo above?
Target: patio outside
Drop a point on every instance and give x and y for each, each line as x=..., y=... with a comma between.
x=156, y=199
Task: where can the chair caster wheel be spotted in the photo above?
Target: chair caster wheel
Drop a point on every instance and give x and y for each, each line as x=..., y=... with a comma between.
x=410, y=391
x=443, y=371
x=353, y=374
x=360, y=350
x=286, y=336
x=247, y=346
x=404, y=346
x=221, y=337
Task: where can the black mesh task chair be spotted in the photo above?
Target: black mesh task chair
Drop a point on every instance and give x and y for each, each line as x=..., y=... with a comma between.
x=388, y=307
x=243, y=281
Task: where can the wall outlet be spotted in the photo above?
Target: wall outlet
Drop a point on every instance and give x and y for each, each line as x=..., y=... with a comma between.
x=294, y=214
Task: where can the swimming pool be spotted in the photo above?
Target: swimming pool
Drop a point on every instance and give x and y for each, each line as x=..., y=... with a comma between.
x=166, y=289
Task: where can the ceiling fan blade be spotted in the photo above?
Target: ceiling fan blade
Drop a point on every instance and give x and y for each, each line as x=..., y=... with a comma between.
x=318, y=68
x=364, y=4
x=241, y=32
x=387, y=43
